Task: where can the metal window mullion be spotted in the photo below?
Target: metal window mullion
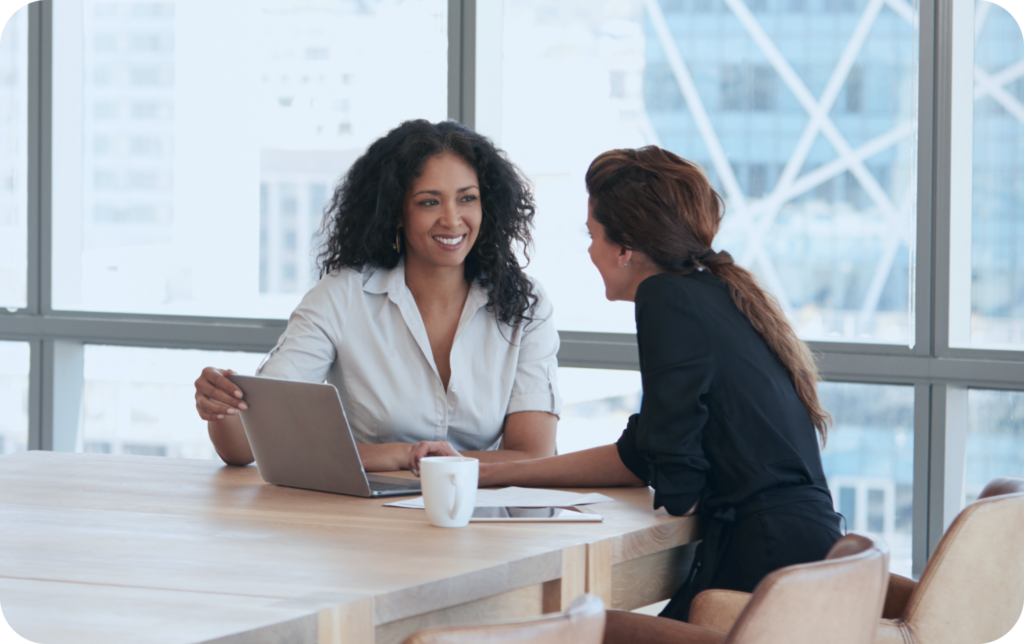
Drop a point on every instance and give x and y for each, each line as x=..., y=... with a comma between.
x=35, y=153
x=942, y=79
x=946, y=457
x=35, y=395
x=40, y=389
x=462, y=61
x=45, y=139
x=922, y=460
x=923, y=283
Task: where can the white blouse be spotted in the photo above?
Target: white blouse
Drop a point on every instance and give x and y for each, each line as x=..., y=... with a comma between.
x=363, y=333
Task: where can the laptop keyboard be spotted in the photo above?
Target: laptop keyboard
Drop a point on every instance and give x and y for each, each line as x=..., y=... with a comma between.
x=384, y=487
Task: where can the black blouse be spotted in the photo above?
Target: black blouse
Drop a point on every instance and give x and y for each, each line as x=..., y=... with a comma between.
x=720, y=420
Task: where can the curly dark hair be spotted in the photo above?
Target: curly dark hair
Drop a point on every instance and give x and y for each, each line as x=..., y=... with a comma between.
x=362, y=218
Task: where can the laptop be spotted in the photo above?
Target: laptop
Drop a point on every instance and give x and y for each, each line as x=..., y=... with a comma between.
x=301, y=438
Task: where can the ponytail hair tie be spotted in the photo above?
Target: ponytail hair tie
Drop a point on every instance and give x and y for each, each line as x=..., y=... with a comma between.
x=708, y=259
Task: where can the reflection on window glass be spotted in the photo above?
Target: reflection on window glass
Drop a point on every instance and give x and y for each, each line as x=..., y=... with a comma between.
x=142, y=401
x=196, y=143
x=869, y=462
x=14, y=365
x=801, y=115
x=596, y=403
x=995, y=438
x=14, y=161
x=997, y=275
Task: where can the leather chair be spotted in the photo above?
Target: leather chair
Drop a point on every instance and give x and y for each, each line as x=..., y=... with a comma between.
x=837, y=600
x=971, y=591
x=582, y=623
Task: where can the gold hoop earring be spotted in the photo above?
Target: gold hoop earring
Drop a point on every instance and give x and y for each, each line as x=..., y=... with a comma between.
x=398, y=240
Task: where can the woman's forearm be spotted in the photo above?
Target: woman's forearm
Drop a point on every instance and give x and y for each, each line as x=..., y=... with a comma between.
x=502, y=455
x=384, y=457
x=597, y=467
x=228, y=438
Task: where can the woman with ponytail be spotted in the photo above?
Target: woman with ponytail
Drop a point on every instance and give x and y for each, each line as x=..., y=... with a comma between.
x=730, y=422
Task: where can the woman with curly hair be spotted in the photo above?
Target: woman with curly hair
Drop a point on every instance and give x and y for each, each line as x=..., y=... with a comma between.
x=730, y=419
x=423, y=318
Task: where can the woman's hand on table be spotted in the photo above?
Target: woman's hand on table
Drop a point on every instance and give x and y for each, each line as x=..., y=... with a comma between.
x=216, y=396
x=424, y=449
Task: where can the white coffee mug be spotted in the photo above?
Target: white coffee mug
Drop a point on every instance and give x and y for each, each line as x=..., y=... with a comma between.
x=449, y=489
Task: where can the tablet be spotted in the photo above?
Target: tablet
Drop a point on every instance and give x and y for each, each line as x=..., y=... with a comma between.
x=522, y=515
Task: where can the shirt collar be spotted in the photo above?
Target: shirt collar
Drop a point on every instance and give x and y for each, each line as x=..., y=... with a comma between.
x=386, y=280
x=391, y=281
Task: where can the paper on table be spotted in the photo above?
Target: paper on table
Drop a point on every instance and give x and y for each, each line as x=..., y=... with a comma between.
x=520, y=497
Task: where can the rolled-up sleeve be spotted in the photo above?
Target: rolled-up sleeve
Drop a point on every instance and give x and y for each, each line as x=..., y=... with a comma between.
x=535, y=387
x=305, y=350
x=677, y=370
x=631, y=457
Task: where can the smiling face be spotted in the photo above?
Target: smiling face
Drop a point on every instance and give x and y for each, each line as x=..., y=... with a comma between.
x=442, y=213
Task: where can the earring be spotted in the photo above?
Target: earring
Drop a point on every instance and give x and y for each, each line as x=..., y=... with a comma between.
x=398, y=240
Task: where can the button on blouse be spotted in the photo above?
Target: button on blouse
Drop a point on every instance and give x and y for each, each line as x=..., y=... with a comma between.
x=363, y=333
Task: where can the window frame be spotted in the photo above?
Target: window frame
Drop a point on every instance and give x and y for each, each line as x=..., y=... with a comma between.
x=940, y=373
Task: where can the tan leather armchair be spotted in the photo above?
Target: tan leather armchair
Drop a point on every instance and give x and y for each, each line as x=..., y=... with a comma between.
x=837, y=600
x=971, y=591
x=582, y=623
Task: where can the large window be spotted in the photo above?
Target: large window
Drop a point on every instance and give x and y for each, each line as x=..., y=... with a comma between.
x=14, y=161
x=995, y=438
x=987, y=277
x=801, y=114
x=869, y=462
x=997, y=264
x=596, y=405
x=188, y=149
x=142, y=401
x=14, y=367
x=196, y=144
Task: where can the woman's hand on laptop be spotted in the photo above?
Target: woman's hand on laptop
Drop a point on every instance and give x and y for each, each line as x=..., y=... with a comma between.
x=216, y=396
x=424, y=449
x=384, y=457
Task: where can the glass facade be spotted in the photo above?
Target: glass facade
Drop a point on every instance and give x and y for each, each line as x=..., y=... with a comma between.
x=995, y=438
x=869, y=462
x=997, y=265
x=142, y=401
x=801, y=113
x=14, y=367
x=196, y=143
x=14, y=161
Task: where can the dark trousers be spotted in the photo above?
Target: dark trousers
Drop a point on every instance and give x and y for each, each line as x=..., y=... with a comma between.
x=740, y=550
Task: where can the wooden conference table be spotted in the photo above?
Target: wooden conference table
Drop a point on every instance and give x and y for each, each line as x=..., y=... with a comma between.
x=112, y=549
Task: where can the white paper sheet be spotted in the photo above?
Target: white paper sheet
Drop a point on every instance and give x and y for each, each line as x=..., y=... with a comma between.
x=519, y=497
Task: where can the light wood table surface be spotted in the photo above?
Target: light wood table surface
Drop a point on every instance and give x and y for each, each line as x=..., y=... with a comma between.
x=111, y=549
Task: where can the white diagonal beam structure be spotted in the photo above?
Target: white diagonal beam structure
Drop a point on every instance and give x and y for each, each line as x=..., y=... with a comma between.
x=881, y=275
x=1003, y=77
x=807, y=101
x=984, y=86
x=818, y=116
x=789, y=185
x=834, y=168
x=693, y=101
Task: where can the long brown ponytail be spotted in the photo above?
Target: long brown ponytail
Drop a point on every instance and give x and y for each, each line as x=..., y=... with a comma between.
x=660, y=204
